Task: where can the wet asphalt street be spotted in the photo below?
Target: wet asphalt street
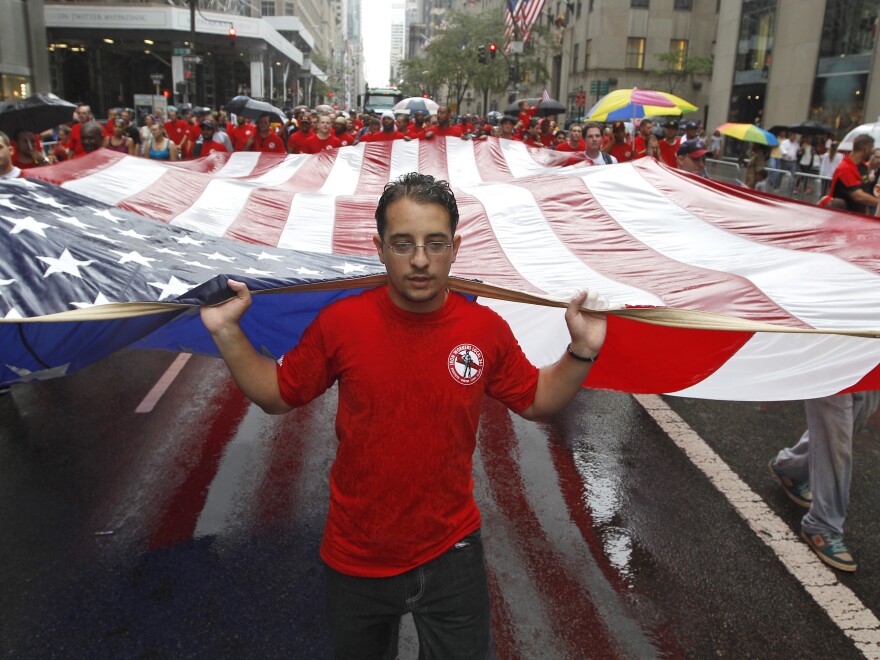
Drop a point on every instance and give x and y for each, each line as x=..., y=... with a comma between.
x=192, y=530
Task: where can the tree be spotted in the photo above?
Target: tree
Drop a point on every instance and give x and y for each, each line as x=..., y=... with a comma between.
x=452, y=60
x=677, y=68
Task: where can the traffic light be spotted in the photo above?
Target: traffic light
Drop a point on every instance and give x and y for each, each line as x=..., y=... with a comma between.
x=166, y=93
x=232, y=33
x=481, y=54
x=511, y=73
x=493, y=50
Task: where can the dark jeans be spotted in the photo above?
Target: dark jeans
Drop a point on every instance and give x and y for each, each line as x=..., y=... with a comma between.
x=448, y=598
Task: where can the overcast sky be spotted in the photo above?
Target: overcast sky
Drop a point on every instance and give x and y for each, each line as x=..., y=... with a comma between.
x=376, y=33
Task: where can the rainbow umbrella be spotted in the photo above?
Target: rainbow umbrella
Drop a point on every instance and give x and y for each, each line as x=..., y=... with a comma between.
x=748, y=133
x=636, y=103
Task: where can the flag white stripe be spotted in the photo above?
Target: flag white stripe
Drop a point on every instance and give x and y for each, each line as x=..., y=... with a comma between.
x=519, y=161
x=530, y=244
x=310, y=223
x=224, y=199
x=123, y=179
x=346, y=172
x=821, y=290
x=777, y=366
x=461, y=163
x=240, y=164
x=404, y=157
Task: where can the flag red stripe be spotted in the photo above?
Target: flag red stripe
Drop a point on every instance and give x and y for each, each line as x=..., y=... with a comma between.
x=587, y=230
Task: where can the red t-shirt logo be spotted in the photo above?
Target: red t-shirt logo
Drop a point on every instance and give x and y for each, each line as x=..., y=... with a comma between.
x=465, y=364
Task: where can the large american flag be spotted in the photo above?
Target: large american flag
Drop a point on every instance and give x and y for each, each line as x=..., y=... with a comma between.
x=729, y=294
x=522, y=14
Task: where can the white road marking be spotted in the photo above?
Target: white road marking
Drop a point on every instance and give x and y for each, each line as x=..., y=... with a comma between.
x=163, y=384
x=843, y=607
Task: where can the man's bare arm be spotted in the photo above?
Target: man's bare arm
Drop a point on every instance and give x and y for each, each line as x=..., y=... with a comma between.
x=559, y=382
x=255, y=374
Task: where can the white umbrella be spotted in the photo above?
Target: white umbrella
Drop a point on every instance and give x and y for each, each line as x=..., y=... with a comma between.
x=871, y=129
x=415, y=104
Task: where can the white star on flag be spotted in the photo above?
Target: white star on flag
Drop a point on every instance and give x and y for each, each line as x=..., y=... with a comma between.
x=48, y=201
x=13, y=314
x=186, y=240
x=351, y=268
x=102, y=237
x=100, y=299
x=302, y=270
x=216, y=256
x=131, y=233
x=73, y=221
x=66, y=263
x=135, y=257
x=27, y=224
x=254, y=271
x=199, y=264
x=4, y=201
x=6, y=282
x=173, y=288
x=108, y=214
x=176, y=253
x=266, y=255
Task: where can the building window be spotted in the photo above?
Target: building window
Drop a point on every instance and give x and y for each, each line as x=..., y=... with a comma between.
x=575, y=53
x=587, y=52
x=638, y=4
x=635, y=53
x=288, y=9
x=578, y=8
x=685, y=5
x=592, y=2
x=680, y=48
x=267, y=7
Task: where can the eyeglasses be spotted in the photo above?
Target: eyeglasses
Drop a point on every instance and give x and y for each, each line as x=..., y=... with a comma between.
x=431, y=248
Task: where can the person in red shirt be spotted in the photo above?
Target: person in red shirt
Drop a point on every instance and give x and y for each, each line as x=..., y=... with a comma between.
x=575, y=142
x=322, y=139
x=620, y=147
x=205, y=143
x=508, y=126
x=532, y=135
x=444, y=127
x=409, y=431
x=641, y=141
x=265, y=139
x=851, y=181
x=240, y=133
x=297, y=139
x=670, y=143
x=418, y=126
x=175, y=128
x=341, y=132
x=27, y=151
x=83, y=115
x=527, y=112
x=112, y=114
x=403, y=122
x=388, y=131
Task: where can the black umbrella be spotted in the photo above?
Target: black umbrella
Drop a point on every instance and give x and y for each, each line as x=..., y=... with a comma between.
x=546, y=109
x=252, y=109
x=811, y=128
x=776, y=129
x=36, y=113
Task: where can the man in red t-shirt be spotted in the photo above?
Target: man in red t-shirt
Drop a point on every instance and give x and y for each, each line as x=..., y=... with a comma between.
x=670, y=143
x=444, y=125
x=240, y=132
x=83, y=115
x=205, y=143
x=417, y=127
x=851, y=181
x=265, y=139
x=411, y=382
x=297, y=140
x=575, y=142
x=645, y=128
x=322, y=139
x=175, y=128
x=387, y=133
x=508, y=126
x=619, y=147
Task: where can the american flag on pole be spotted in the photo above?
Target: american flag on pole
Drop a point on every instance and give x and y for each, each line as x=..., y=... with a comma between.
x=519, y=17
x=729, y=294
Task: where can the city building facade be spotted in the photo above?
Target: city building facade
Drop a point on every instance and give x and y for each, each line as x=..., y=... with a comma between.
x=200, y=51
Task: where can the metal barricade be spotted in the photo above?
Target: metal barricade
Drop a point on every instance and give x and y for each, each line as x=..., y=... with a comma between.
x=810, y=188
x=724, y=171
x=779, y=182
